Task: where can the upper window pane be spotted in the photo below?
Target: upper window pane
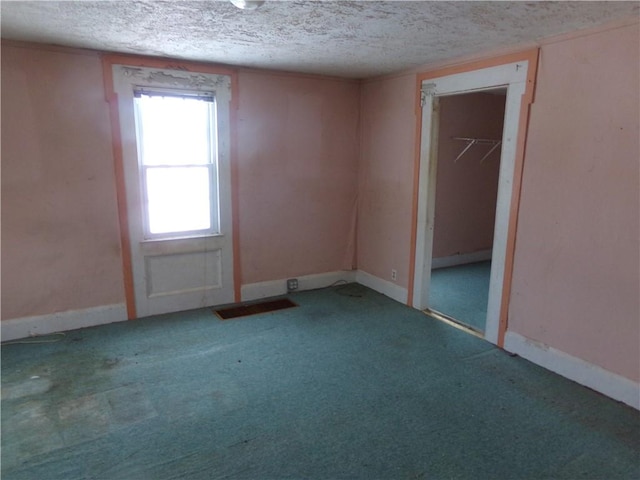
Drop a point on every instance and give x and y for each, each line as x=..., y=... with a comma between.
x=174, y=130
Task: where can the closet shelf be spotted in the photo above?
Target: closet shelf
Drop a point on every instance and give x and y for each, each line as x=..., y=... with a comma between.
x=471, y=141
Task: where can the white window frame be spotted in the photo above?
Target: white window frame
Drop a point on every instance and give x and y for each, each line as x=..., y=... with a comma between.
x=159, y=287
x=129, y=79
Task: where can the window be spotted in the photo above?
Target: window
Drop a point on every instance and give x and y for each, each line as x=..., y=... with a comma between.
x=177, y=157
x=175, y=168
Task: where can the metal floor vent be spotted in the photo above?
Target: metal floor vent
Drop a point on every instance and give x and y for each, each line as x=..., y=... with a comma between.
x=254, y=308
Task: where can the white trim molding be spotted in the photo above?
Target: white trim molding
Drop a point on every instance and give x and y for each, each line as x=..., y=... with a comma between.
x=391, y=290
x=460, y=259
x=124, y=76
x=582, y=372
x=273, y=288
x=24, y=327
x=514, y=77
x=163, y=281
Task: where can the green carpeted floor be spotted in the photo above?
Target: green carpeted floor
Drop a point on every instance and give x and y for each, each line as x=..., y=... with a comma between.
x=462, y=292
x=349, y=385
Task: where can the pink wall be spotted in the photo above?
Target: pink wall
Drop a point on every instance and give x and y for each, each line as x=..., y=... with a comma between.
x=297, y=162
x=575, y=284
x=466, y=190
x=386, y=177
x=576, y=276
x=60, y=237
x=575, y=281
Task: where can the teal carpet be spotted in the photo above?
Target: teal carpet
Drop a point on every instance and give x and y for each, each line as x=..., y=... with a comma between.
x=349, y=385
x=462, y=292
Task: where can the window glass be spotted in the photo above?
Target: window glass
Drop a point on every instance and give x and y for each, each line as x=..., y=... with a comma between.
x=178, y=199
x=176, y=161
x=175, y=130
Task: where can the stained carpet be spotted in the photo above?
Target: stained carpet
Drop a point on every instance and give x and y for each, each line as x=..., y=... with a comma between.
x=349, y=385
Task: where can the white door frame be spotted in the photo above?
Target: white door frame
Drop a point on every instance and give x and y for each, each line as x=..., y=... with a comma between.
x=513, y=76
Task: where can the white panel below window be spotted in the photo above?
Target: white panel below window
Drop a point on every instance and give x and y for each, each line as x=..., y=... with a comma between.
x=183, y=272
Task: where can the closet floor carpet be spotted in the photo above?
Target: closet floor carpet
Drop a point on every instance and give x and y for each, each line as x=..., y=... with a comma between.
x=462, y=292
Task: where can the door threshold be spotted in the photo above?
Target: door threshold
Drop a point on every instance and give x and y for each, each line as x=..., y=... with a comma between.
x=453, y=322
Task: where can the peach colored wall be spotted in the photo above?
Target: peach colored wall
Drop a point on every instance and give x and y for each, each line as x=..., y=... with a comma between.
x=386, y=177
x=60, y=237
x=576, y=279
x=297, y=164
x=466, y=190
x=576, y=272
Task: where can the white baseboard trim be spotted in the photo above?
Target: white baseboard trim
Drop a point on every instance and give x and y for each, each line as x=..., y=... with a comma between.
x=585, y=373
x=273, y=288
x=391, y=290
x=24, y=327
x=461, y=259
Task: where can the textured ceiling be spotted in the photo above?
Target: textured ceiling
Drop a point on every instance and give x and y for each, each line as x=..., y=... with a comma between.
x=349, y=38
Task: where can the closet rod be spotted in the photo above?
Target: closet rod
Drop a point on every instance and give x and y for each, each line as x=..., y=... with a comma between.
x=477, y=141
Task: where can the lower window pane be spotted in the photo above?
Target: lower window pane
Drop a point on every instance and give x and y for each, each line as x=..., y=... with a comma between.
x=179, y=199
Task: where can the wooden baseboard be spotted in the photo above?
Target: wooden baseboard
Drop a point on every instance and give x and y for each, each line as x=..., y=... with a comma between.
x=580, y=371
x=463, y=259
x=24, y=327
x=273, y=288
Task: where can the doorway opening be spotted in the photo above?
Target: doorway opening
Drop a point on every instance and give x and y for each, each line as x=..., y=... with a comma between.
x=512, y=78
x=466, y=191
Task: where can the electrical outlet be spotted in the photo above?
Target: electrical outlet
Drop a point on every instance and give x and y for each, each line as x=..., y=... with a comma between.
x=292, y=284
x=394, y=275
